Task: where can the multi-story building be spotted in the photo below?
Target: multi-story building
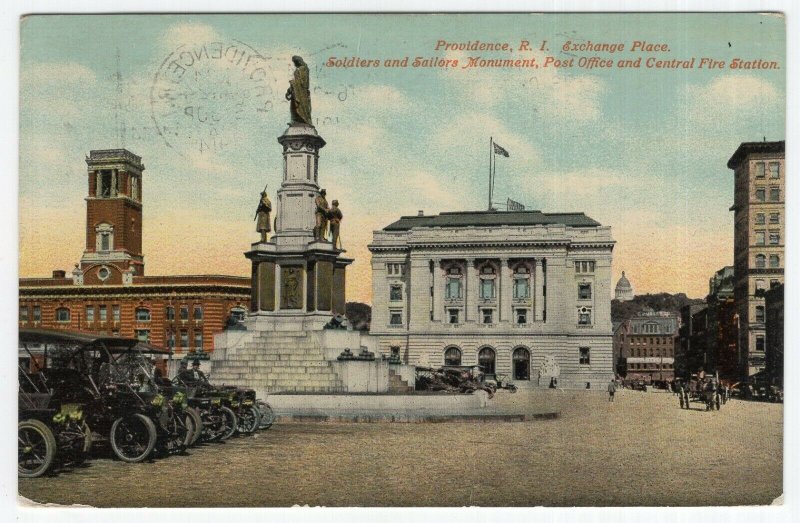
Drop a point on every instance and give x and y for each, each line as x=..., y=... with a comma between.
x=647, y=346
x=525, y=294
x=773, y=301
x=108, y=292
x=759, y=233
x=708, y=336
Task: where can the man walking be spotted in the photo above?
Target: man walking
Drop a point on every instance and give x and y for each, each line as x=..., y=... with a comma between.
x=612, y=388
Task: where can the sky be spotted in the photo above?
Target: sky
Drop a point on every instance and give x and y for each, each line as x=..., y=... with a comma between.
x=641, y=150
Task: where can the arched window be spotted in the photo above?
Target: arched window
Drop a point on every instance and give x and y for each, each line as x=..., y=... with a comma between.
x=452, y=356
x=521, y=359
x=62, y=314
x=761, y=261
x=486, y=357
x=142, y=314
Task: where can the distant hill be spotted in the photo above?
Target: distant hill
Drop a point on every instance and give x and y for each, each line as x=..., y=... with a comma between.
x=622, y=310
x=359, y=315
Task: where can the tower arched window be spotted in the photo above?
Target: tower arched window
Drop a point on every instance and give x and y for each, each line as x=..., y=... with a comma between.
x=105, y=237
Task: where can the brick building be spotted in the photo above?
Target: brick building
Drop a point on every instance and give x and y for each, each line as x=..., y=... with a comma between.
x=108, y=292
x=646, y=345
x=758, y=244
x=773, y=301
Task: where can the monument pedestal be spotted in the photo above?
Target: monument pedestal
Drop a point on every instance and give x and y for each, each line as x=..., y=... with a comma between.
x=297, y=287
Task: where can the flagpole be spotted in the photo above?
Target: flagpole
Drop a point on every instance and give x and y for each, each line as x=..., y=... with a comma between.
x=491, y=153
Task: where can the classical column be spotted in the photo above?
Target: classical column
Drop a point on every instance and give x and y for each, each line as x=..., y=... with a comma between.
x=538, y=296
x=438, y=289
x=504, y=312
x=470, y=291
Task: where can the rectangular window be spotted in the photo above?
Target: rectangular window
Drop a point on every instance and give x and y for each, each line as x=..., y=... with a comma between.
x=184, y=338
x=584, y=316
x=760, y=170
x=452, y=315
x=103, y=310
x=774, y=194
x=760, y=343
x=62, y=314
x=760, y=219
x=198, y=312
x=760, y=238
x=198, y=340
x=396, y=293
x=395, y=318
x=488, y=316
x=23, y=314
x=143, y=335
x=584, y=291
x=522, y=316
x=774, y=261
x=171, y=340
x=775, y=217
x=584, y=359
x=521, y=288
x=142, y=314
x=169, y=312
x=774, y=238
x=90, y=313
x=184, y=312
x=584, y=266
x=761, y=195
x=759, y=314
x=487, y=289
x=37, y=313
x=453, y=289
x=115, y=312
x=775, y=170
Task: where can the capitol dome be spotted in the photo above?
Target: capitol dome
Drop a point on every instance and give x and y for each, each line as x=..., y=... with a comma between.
x=623, y=290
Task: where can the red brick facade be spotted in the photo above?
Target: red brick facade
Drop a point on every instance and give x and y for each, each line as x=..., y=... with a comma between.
x=183, y=312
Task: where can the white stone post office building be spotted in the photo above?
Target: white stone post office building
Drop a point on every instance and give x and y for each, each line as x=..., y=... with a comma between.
x=522, y=293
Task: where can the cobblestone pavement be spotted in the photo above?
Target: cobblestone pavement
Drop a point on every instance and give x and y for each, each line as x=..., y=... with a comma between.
x=640, y=450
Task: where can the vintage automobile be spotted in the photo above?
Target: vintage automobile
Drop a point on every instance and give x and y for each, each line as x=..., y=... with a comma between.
x=218, y=421
x=114, y=381
x=52, y=429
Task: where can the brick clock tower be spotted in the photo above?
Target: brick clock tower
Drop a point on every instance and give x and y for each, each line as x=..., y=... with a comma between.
x=113, y=253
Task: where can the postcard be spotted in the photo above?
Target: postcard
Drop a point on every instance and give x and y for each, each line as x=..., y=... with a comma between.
x=402, y=260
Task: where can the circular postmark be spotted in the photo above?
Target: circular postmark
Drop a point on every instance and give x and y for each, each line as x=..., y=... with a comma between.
x=206, y=96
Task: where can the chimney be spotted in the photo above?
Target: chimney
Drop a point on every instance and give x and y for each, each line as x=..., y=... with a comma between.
x=420, y=213
x=59, y=274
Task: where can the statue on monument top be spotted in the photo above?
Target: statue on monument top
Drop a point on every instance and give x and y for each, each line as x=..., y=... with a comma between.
x=298, y=94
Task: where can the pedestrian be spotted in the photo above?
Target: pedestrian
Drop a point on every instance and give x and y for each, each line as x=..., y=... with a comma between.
x=612, y=388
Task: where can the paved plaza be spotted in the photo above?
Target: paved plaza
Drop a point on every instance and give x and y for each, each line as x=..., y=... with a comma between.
x=640, y=450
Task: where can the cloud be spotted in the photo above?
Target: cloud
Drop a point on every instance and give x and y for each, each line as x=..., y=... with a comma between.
x=483, y=125
x=188, y=34
x=729, y=97
x=48, y=73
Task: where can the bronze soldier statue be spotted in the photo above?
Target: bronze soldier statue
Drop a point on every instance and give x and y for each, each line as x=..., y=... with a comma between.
x=262, y=216
x=335, y=217
x=298, y=93
x=321, y=217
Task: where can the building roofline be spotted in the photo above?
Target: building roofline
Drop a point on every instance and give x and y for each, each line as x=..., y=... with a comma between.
x=746, y=148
